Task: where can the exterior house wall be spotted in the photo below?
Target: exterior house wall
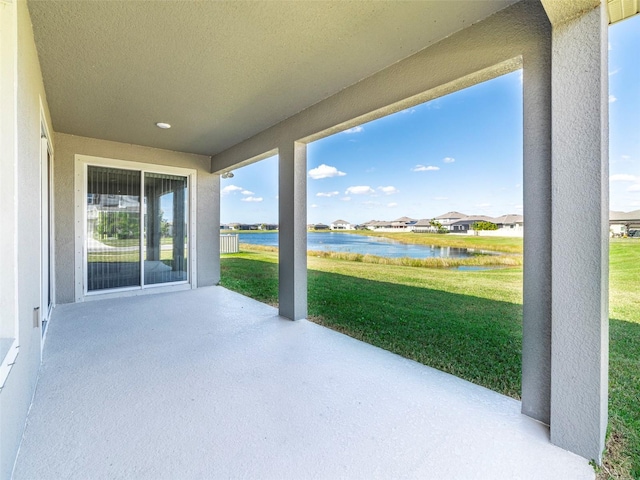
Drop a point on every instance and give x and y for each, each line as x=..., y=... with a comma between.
x=67, y=146
x=24, y=274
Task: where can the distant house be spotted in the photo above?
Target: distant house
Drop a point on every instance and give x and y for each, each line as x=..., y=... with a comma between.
x=320, y=226
x=624, y=223
x=267, y=226
x=377, y=225
x=403, y=224
x=465, y=224
x=424, y=226
x=510, y=221
x=341, y=225
x=244, y=226
x=449, y=218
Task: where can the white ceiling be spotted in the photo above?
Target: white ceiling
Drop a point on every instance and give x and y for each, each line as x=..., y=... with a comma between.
x=220, y=72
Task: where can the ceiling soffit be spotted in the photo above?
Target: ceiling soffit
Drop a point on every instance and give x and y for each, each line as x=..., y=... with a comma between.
x=219, y=72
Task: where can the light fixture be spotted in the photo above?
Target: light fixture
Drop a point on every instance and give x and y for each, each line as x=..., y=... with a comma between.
x=163, y=125
x=227, y=175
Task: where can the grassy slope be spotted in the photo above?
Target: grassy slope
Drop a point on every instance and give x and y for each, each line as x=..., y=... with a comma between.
x=466, y=323
x=624, y=359
x=498, y=244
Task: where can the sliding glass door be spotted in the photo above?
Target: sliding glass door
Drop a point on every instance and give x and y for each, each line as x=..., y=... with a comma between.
x=165, y=228
x=130, y=243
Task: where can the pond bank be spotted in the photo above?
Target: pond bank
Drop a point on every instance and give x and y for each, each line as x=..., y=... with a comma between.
x=486, y=261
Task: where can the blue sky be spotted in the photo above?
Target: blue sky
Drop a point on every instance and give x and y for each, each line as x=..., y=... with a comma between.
x=460, y=152
x=624, y=115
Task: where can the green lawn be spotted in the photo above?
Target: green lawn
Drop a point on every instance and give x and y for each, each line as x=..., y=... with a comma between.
x=498, y=244
x=462, y=322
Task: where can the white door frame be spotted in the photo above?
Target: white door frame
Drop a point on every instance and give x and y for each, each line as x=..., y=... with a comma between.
x=47, y=234
x=80, y=183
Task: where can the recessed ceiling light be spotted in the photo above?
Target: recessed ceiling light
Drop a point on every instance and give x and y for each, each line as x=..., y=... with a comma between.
x=163, y=125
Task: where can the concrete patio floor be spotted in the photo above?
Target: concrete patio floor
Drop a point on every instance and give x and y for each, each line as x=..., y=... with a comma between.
x=207, y=383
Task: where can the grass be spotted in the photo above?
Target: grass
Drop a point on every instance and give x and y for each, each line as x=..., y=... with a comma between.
x=623, y=443
x=129, y=242
x=124, y=257
x=496, y=244
x=479, y=260
x=468, y=323
x=433, y=262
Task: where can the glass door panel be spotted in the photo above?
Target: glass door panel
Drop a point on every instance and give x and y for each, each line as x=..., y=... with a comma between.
x=113, y=228
x=165, y=228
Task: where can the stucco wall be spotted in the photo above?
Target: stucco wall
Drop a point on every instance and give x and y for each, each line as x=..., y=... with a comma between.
x=67, y=146
x=18, y=389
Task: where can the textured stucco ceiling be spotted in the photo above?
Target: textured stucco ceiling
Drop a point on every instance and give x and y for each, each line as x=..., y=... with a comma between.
x=220, y=72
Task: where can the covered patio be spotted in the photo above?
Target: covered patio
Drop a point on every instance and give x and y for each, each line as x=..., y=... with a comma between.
x=207, y=383
x=195, y=381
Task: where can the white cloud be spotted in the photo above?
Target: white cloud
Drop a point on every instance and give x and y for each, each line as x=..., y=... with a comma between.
x=613, y=72
x=625, y=157
x=422, y=168
x=634, y=188
x=370, y=204
x=345, y=199
x=314, y=206
x=390, y=190
x=518, y=207
x=252, y=199
x=327, y=194
x=623, y=177
x=440, y=198
x=325, y=171
x=357, y=129
x=612, y=98
x=359, y=190
x=448, y=159
x=483, y=205
x=433, y=104
x=392, y=205
x=247, y=192
x=408, y=110
x=230, y=189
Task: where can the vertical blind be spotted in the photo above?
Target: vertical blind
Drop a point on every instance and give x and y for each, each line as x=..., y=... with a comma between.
x=165, y=228
x=113, y=228
x=125, y=238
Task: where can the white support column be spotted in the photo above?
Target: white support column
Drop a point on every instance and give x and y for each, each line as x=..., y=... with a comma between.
x=215, y=246
x=536, y=335
x=579, y=356
x=292, y=269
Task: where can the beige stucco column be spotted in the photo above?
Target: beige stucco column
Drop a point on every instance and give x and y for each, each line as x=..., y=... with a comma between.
x=580, y=209
x=215, y=247
x=536, y=322
x=292, y=211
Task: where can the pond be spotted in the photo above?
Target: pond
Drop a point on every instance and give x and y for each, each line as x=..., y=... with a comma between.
x=381, y=247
